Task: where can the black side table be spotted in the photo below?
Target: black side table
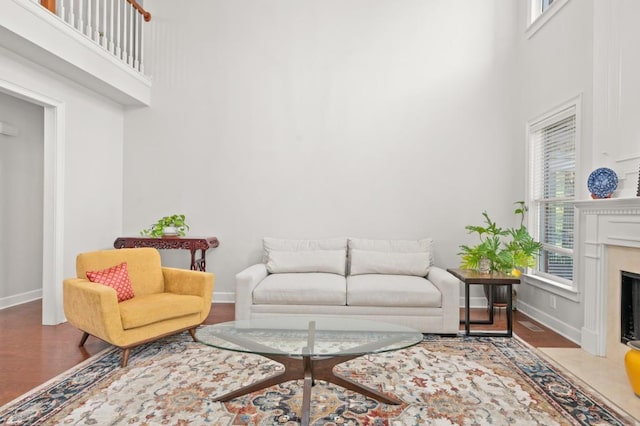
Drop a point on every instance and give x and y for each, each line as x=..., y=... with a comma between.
x=470, y=277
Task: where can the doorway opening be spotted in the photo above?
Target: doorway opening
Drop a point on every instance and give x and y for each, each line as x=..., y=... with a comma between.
x=52, y=202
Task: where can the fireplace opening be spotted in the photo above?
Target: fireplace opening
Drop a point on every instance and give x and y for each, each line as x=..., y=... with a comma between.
x=630, y=307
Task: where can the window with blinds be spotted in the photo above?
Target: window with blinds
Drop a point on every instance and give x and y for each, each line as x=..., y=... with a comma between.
x=552, y=191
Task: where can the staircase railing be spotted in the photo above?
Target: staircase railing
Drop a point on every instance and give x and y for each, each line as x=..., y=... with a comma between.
x=115, y=25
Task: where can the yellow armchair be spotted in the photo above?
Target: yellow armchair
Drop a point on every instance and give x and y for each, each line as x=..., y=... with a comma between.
x=167, y=300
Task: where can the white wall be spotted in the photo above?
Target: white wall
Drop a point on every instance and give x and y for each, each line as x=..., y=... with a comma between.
x=371, y=118
x=21, y=201
x=589, y=47
x=616, y=87
x=557, y=65
x=92, y=159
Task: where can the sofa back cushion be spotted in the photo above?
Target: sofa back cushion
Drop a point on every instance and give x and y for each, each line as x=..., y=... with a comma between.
x=323, y=255
x=394, y=257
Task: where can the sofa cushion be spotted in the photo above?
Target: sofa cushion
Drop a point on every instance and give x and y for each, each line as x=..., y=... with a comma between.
x=330, y=261
x=392, y=290
x=301, y=289
x=377, y=262
x=152, y=308
x=324, y=255
x=116, y=277
x=402, y=257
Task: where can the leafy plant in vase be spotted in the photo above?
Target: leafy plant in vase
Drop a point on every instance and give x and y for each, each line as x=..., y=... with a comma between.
x=507, y=250
x=173, y=226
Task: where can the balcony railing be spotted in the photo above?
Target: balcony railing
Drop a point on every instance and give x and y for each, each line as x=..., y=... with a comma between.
x=115, y=25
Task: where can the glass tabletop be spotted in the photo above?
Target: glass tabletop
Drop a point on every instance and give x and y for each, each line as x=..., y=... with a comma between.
x=308, y=336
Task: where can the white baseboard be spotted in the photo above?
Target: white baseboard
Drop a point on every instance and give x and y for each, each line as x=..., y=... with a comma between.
x=475, y=302
x=19, y=299
x=554, y=324
x=224, y=297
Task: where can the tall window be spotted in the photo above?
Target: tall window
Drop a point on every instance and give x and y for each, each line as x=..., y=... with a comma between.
x=546, y=4
x=552, y=145
x=541, y=11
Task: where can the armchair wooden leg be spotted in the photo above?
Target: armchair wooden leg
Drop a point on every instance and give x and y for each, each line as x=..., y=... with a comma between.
x=125, y=356
x=192, y=332
x=85, y=335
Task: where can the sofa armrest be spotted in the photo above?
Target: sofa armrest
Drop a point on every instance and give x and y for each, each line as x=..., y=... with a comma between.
x=93, y=308
x=246, y=281
x=193, y=283
x=449, y=287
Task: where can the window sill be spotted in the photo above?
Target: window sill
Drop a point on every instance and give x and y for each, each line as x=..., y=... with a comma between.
x=562, y=290
x=544, y=17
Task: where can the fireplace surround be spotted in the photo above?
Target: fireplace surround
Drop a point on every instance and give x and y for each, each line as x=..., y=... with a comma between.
x=608, y=242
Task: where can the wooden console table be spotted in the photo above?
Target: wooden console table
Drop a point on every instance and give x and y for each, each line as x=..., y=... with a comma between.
x=193, y=244
x=470, y=277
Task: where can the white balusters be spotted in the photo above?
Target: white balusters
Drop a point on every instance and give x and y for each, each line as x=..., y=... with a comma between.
x=115, y=25
x=112, y=46
x=61, y=10
x=118, y=37
x=125, y=35
x=89, y=28
x=103, y=34
x=96, y=22
x=131, y=36
x=80, y=23
x=72, y=14
x=140, y=66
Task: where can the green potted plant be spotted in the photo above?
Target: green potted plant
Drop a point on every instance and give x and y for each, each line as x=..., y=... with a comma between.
x=505, y=250
x=174, y=226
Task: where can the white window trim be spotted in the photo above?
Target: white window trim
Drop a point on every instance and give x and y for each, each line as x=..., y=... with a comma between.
x=561, y=287
x=569, y=292
x=536, y=20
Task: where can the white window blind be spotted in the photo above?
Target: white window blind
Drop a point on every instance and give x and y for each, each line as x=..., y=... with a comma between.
x=553, y=158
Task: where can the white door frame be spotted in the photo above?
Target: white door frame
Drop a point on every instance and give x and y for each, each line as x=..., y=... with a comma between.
x=53, y=214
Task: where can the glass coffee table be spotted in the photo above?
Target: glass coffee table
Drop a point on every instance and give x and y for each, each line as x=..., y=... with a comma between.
x=309, y=348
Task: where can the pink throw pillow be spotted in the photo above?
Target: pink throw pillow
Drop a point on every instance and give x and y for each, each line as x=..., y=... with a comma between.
x=116, y=277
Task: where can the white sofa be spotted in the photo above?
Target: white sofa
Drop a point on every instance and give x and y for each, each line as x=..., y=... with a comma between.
x=384, y=280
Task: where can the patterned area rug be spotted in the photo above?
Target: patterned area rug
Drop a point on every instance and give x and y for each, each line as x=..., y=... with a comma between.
x=442, y=381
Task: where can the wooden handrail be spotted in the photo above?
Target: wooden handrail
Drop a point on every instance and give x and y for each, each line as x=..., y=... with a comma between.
x=146, y=15
x=50, y=5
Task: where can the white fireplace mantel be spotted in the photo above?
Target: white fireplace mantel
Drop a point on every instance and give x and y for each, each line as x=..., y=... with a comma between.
x=601, y=223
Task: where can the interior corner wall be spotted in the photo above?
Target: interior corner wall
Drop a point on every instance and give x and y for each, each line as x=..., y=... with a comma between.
x=21, y=201
x=558, y=65
x=93, y=165
x=588, y=48
x=364, y=118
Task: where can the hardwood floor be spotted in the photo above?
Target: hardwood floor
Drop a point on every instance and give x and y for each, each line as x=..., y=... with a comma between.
x=31, y=354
